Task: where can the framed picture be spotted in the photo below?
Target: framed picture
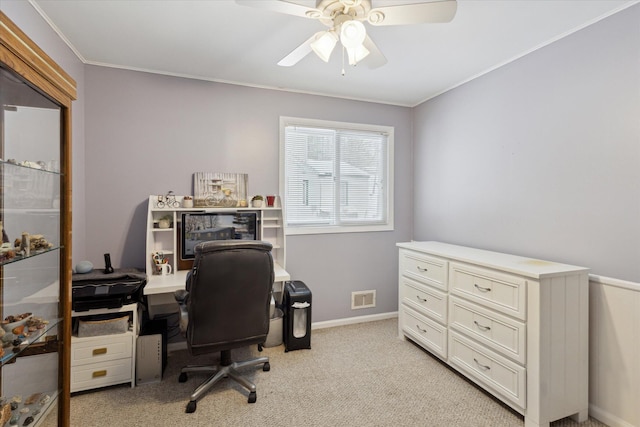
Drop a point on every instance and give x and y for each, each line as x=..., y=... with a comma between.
x=221, y=190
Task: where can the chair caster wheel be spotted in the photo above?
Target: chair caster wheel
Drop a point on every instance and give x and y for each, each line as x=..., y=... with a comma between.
x=259, y=347
x=191, y=407
x=252, y=398
x=266, y=367
x=182, y=379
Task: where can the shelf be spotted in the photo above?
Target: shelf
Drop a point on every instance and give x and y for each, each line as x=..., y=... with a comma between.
x=4, y=163
x=164, y=252
x=40, y=403
x=36, y=338
x=19, y=257
x=213, y=209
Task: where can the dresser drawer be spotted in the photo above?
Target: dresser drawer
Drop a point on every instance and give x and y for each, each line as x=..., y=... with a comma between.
x=101, y=374
x=423, y=268
x=424, y=299
x=502, y=334
x=101, y=348
x=489, y=369
x=424, y=331
x=499, y=291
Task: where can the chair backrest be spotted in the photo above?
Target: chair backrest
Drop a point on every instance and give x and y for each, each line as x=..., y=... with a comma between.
x=229, y=295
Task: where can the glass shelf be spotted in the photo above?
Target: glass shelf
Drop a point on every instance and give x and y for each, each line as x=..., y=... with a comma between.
x=37, y=337
x=43, y=169
x=20, y=257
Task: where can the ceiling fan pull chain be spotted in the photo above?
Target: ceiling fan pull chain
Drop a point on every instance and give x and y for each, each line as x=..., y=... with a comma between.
x=343, y=72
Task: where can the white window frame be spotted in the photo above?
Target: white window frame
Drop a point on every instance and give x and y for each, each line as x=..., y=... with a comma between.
x=389, y=206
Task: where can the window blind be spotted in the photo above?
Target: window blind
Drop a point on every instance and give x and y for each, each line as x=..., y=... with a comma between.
x=335, y=177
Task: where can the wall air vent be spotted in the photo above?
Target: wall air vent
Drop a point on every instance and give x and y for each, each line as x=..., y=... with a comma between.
x=363, y=299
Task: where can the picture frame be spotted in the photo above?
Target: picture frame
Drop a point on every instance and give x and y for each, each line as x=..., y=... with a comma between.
x=220, y=189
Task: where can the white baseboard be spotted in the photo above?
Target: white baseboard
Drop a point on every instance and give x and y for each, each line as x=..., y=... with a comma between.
x=353, y=320
x=607, y=417
x=182, y=345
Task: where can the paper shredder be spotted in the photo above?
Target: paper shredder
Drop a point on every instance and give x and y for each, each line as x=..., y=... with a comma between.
x=297, y=309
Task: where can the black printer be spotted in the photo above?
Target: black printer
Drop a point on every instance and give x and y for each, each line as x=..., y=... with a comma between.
x=97, y=289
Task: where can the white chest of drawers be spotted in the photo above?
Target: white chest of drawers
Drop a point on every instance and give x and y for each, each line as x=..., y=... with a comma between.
x=517, y=327
x=104, y=360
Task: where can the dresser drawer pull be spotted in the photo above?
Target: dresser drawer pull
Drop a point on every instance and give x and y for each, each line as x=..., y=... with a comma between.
x=421, y=269
x=481, y=289
x=424, y=331
x=98, y=374
x=482, y=327
x=421, y=299
x=485, y=367
x=99, y=351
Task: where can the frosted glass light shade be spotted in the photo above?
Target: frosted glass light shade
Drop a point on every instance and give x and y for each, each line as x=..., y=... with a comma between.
x=323, y=45
x=357, y=54
x=352, y=34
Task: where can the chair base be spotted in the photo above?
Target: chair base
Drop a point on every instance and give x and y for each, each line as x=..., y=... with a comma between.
x=227, y=369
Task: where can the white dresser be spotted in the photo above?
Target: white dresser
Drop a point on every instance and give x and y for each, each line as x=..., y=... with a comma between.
x=105, y=360
x=516, y=326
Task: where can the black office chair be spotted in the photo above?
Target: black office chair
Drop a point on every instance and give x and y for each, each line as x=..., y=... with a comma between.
x=227, y=299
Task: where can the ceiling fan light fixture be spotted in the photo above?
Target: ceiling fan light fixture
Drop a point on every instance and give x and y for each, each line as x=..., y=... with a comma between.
x=352, y=34
x=324, y=45
x=357, y=54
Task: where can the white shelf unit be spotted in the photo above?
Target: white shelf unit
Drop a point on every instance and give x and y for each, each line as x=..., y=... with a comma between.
x=159, y=289
x=517, y=327
x=104, y=360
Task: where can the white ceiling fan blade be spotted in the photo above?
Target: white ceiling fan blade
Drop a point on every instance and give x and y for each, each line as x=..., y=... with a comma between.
x=282, y=7
x=417, y=13
x=376, y=58
x=300, y=52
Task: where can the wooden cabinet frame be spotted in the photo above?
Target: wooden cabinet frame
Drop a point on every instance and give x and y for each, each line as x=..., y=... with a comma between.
x=20, y=54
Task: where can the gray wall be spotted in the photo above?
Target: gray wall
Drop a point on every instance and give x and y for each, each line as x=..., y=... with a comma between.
x=538, y=158
x=541, y=157
x=32, y=24
x=147, y=134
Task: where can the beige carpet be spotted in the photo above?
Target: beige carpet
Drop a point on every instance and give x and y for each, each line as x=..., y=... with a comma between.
x=356, y=375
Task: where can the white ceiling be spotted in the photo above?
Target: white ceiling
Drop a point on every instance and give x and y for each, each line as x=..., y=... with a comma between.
x=222, y=41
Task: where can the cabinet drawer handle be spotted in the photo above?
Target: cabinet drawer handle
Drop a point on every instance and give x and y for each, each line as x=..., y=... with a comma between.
x=481, y=289
x=98, y=374
x=484, y=328
x=485, y=367
x=421, y=299
x=422, y=269
x=424, y=331
x=99, y=351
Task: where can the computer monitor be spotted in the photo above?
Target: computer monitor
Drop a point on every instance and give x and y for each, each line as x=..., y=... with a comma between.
x=200, y=227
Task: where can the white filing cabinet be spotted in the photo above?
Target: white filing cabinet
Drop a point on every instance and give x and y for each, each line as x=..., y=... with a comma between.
x=516, y=326
x=104, y=360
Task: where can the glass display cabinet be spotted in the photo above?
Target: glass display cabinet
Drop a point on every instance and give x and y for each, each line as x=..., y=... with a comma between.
x=35, y=219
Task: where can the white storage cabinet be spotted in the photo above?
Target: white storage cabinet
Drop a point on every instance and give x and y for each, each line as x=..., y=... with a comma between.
x=104, y=360
x=517, y=327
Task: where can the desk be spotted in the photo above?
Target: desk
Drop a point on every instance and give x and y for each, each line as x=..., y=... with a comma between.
x=159, y=289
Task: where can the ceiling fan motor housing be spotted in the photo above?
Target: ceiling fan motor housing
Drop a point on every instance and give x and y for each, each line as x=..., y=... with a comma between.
x=333, y=9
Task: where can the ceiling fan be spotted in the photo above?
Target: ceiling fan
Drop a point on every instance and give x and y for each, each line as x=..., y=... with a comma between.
x=345, y=21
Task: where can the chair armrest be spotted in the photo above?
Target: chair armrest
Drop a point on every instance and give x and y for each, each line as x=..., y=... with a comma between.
x=181, y=297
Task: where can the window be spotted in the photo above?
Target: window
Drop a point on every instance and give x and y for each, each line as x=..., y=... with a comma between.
x=335, y=177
